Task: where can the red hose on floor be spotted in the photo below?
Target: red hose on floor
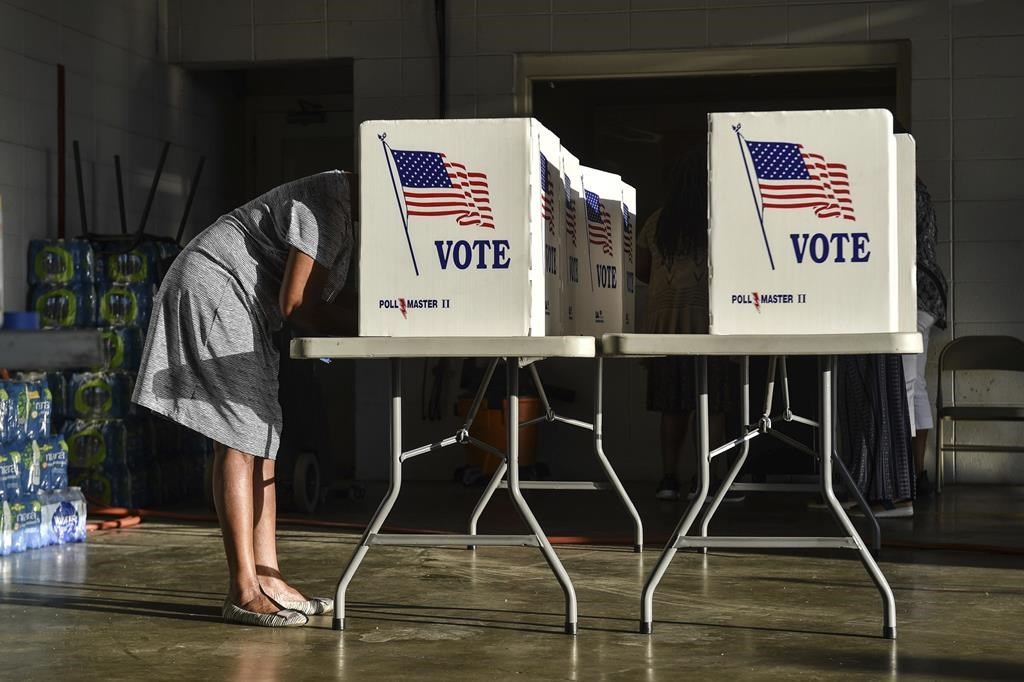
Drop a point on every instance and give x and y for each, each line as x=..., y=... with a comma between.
x=113, y=524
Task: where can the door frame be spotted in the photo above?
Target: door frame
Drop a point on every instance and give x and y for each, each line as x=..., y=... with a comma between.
x=530, y=67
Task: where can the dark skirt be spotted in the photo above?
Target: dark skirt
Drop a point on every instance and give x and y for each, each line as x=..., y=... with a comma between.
x=874, y=426
x=672, y=384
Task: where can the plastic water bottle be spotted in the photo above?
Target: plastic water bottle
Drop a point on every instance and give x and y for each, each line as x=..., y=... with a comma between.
x=28, y=517
x=31, y=467
x=54, y=451
x=49, y=502
x=6, y=527
x=10, y=472
x=76, y=499
x=63, y=517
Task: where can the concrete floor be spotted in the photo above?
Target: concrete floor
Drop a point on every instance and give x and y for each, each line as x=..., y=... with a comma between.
x=144, y=603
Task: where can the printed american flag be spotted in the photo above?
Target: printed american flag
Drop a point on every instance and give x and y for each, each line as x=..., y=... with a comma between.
x=570, y=212
x=627, y=233
x=547, y=195
x=435, y=186
x=791, y=177
x=599, y=223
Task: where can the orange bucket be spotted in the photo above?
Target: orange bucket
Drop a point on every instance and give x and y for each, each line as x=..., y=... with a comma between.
x=489, y=427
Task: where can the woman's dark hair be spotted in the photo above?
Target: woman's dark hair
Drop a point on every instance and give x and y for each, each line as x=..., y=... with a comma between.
x=683, y=224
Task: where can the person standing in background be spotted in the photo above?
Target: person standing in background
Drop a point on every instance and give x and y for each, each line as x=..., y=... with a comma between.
x=931, y=311
x=885, y=412
x=672, y=259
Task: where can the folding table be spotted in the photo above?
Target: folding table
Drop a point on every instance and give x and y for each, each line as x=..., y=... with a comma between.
x=519, y=352
x=826, y=347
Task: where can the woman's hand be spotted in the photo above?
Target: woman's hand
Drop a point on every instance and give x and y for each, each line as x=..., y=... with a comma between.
x=302, y=304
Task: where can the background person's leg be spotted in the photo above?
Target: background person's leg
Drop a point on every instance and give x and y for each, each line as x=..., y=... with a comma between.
x=673, y=431
x=922, y=408
x=264, y=535
x=232, y=495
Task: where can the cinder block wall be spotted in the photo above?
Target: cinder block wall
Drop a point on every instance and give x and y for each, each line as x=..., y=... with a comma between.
x=968, y=107
x=121, y=98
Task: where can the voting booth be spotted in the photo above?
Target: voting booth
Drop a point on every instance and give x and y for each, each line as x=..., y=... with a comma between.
x=574, y=241
x=803, y=222
x=599, y=305
x=906, y=207
x=629, y=246
x=457, y=220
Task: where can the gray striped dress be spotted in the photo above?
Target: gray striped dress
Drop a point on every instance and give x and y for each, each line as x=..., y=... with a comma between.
x=210, y=362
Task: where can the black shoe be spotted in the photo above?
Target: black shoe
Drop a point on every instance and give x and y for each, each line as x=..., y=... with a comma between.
x=668, y=489
x=924, y=486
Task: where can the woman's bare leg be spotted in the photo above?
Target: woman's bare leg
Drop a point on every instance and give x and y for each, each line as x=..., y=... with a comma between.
x=264, y=497
x=232, y=495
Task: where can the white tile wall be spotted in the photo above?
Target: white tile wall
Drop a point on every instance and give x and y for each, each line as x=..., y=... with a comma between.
x=639, y=6
x=419, y=76
x=495, y=75
x=276, y=12
x=989, y=138
x=121, y=97
x=989, y=56
x=988, y=179
x=513, y=6
x=915, y=19
x=747, y=25
x=588, y=6
x=988, y=97
x=378, y=39
x=669, y=29
x=930, y=98
x=987, y=261
x=294, y=41
x=988, y=220
x=513, y=33
x=590, y=32
x=967, y=78
x=824, y=23
x=988, y=18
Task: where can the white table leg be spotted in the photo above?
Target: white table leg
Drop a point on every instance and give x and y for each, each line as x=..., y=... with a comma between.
x=394, y=487
x=524, y=509
x=888, y=601
x=704, y=466
x=738, y=465
x=638, y=538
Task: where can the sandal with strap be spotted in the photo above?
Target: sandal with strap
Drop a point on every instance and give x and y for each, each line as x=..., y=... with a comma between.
x=285, y=618
x=317, y=606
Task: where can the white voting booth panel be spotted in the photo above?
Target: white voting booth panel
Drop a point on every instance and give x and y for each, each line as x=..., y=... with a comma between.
x=802, y=219
x=599, y=305
x=574, y=242
x=906, y=202
x=452, y=235
x=629, y=246
x=552, y=185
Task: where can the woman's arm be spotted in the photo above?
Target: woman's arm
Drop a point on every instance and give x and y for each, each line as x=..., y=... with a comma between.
x=301, y=299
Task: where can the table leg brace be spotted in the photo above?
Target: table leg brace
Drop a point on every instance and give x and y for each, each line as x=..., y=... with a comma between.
x=598, y=435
